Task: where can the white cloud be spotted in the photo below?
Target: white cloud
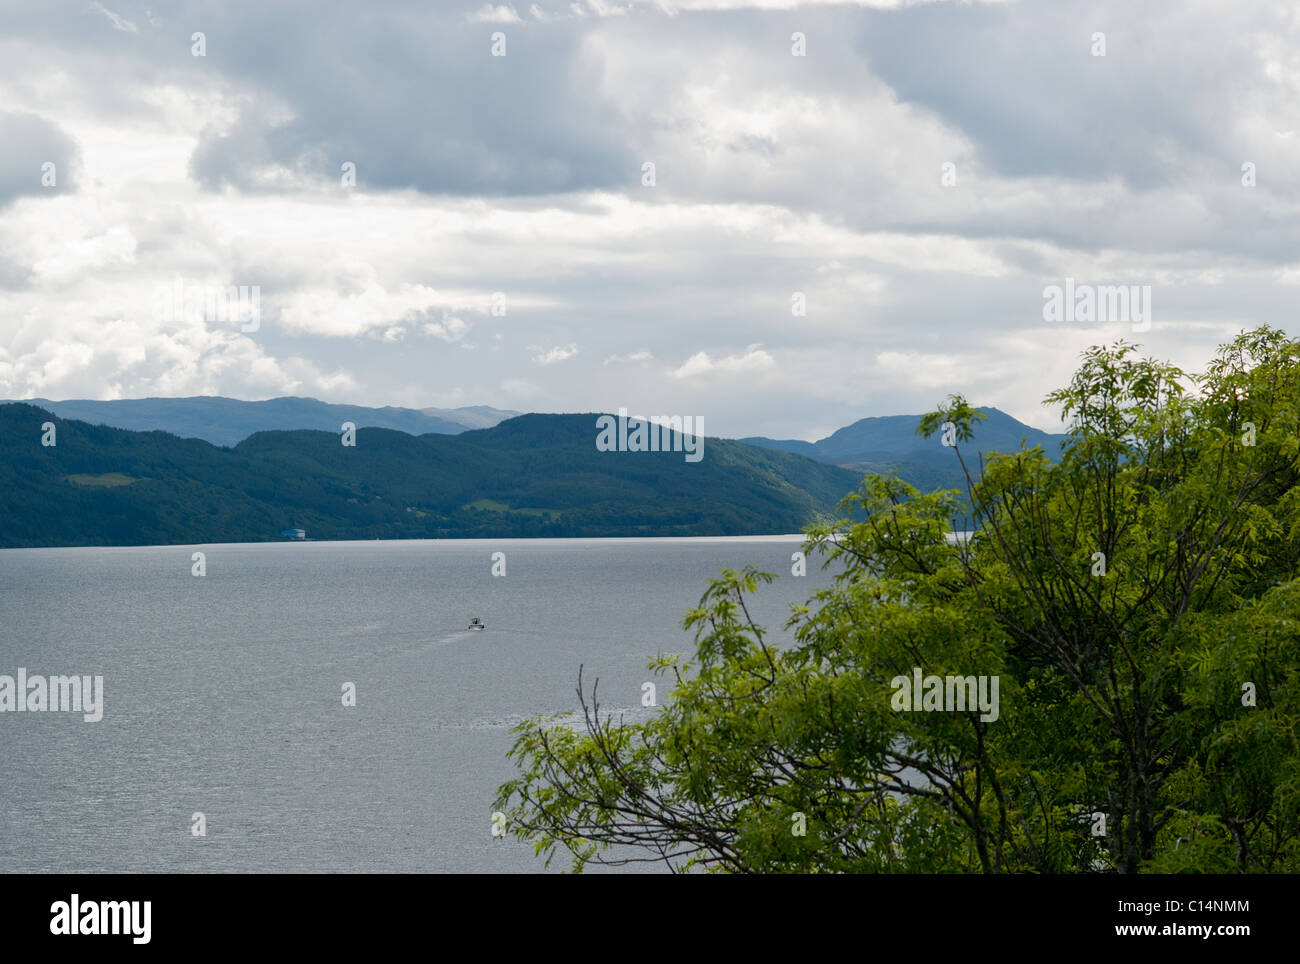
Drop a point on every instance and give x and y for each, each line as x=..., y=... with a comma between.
x=359, y=304
x=553, y=355
x=754, y=359
x=118, y=22
x=449, y=329
x=488, y=13
x=603, y=9
x=636, y=356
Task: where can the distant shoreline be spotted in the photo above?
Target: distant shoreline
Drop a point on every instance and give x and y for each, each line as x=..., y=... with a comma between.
x=791, y=538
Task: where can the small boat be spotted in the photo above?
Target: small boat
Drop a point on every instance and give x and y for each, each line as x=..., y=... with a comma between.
x=476, y=623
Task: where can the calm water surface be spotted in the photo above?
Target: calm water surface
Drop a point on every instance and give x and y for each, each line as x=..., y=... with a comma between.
x=223, y=693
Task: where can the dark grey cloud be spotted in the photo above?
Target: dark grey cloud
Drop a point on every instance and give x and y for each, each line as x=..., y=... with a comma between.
x=1162, y=116
x=1022, y=81
x=416, y=100
x=30, y=144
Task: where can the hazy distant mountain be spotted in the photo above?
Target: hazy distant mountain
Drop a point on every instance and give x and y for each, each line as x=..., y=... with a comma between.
x=471, y=416
x=228, y=421
x=889, y=445
x=893, y=439
x=535, y=475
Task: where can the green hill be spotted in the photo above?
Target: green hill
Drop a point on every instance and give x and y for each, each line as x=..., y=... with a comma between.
x=535, y=475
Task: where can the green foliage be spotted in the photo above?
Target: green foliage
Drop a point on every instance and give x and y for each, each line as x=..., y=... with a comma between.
x=1130, y=598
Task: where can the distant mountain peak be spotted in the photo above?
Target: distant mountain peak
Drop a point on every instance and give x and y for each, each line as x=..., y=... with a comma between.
x=893, y=438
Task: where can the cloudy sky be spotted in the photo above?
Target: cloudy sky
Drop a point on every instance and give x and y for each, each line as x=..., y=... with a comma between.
x=519, y=183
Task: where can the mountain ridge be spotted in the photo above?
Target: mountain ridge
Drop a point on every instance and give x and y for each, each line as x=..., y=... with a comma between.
x=226, y=421
x=532, y=475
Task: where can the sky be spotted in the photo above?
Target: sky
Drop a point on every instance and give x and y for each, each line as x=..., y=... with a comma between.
x=854, y=209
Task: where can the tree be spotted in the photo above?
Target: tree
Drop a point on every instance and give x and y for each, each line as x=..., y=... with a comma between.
x=1136, y=597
